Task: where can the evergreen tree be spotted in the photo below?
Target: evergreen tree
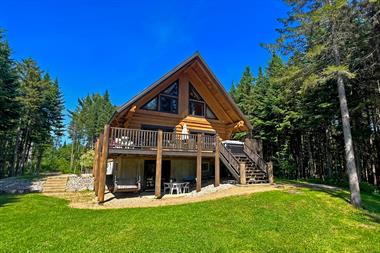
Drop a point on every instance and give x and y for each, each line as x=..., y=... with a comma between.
x=9, y=106
x=87, y=121
x=243, y=89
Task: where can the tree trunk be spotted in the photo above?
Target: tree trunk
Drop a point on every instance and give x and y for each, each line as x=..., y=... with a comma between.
x=72, y=154
x=40, y=153
x=349, y=148
x=348, y=144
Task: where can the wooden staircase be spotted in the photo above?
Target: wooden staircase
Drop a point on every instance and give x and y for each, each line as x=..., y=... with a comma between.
x=253, y=174
x=255, y=167
x=55, y=184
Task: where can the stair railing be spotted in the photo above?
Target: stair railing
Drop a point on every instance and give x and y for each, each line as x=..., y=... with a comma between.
x=259, y=161
x=230, y=161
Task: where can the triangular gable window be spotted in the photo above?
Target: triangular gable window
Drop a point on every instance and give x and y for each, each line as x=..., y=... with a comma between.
x=193, y=94
x=166, y=101
x=197, y=106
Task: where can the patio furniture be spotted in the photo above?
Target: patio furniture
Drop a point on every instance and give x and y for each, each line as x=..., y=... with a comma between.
x=167, y=186
x=123, y=185
x=175, y=187
x=186, y=187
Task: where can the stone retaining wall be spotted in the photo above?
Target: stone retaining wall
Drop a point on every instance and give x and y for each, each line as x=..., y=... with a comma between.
x=80, y=183
x=19, y=185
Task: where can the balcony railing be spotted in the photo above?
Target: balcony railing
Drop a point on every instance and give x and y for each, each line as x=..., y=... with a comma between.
x=125, y=138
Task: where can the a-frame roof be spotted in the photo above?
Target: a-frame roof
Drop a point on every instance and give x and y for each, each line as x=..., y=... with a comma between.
x=195, y=57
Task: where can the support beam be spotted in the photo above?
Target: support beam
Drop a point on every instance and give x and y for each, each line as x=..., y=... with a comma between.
x=157, y=190
x=199, y=163
x=95, y=170
x=217, y=161
x=99, y=163
x=242, y=174
x=270, y=172
x=103, y=165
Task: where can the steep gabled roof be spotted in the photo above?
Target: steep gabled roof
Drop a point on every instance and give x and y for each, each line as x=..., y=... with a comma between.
x=182, y=65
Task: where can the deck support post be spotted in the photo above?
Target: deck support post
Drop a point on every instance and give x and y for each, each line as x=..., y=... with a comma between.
x=270, y=172
x=199, y=163
x=242, y=174
x=103, y=165
x=95, y=169
x=157, y=189
x=217, y=162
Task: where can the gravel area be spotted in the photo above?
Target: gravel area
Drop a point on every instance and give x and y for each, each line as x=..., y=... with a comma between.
x=209, y=189
x=87, y=200
x=19, y=185
x=80, y=183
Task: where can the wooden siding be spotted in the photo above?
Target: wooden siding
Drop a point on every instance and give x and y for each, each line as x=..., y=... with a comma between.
x=227, y=122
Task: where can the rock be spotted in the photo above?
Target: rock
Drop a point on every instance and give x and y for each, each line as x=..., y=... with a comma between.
x=14, y=185
x=80, y=183
x=209, y=189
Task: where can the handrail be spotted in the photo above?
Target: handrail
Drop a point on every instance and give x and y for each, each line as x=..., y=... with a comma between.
x=127, y=138
x=179, y=141
x=230, y=158
x=259, y=161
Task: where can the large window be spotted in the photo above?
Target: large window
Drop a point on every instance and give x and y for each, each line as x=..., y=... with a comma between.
x=166, y=101
x=197, y=106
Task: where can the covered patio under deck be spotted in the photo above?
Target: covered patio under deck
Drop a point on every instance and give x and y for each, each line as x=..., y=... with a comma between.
x=159, y=146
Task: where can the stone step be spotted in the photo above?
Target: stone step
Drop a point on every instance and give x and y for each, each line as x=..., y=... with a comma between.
x=55, y=187
x=59, y=185
x=54, y=190
x=55, y=184
x=56, y=180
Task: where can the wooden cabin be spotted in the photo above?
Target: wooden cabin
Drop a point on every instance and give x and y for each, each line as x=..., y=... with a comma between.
x=176, y=129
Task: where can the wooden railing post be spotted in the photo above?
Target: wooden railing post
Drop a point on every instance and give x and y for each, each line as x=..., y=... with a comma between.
x=242, y=174
x=157, y=190
x=199, y=163
x=217, y=162
x=270, y=172
x=103, y=165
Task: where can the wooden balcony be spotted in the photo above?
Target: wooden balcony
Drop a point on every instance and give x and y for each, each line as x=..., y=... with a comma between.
x=144, y=142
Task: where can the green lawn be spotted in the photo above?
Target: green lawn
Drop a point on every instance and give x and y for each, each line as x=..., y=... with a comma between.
x=278, y=221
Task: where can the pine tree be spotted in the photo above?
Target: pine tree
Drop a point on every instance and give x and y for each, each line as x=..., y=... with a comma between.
x=243, y=89
x=9, y=106
x=331, y=26
x=233, y=91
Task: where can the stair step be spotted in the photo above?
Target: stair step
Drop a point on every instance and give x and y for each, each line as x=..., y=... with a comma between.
x=55, y=184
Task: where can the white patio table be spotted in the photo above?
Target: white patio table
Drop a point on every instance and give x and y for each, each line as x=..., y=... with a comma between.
x=174, y=187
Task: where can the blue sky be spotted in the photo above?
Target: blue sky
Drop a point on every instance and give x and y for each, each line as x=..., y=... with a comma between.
x=123, y=46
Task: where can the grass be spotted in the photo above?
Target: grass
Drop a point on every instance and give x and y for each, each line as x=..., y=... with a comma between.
x=302, y=220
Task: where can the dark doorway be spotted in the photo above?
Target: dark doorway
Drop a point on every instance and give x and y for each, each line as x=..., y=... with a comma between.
x=150, y=173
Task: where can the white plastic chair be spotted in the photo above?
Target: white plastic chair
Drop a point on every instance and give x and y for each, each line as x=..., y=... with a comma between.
x=186, y=188
x=167, y=186
x=175, y=187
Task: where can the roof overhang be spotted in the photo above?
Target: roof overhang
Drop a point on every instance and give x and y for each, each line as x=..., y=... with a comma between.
x=188, y=61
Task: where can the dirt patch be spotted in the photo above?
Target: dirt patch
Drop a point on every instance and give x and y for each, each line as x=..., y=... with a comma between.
x=87, y=200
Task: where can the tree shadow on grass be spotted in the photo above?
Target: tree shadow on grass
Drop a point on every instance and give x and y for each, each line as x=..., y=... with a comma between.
x=6, y=199
x=370, y=201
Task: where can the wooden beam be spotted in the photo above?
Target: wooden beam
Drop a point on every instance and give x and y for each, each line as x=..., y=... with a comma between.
x=183, y=106
x=199, y=163
x=270, y=172
x=129, y=115
x=157, y=190
x=95, y=171
x=99, y=162
x=217, y=161
x=103, y=165
x=210, y=99
x=242, y=174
